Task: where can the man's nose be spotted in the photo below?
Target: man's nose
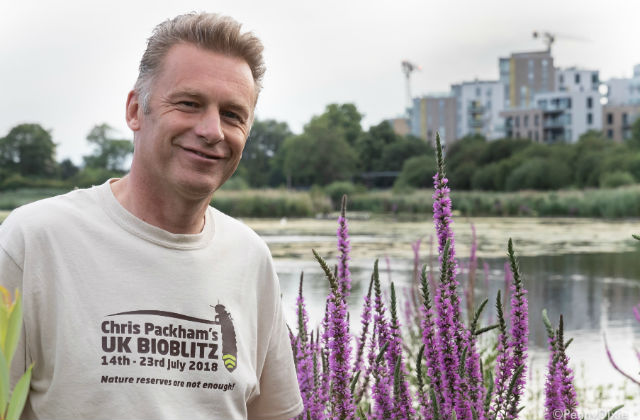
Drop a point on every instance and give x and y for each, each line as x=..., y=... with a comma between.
x=209, y=126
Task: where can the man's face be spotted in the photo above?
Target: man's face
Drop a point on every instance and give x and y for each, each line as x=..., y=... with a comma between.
x=200, y=111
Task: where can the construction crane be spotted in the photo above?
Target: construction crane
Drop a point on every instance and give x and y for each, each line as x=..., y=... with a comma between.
x=407, y=69
x=549, y=38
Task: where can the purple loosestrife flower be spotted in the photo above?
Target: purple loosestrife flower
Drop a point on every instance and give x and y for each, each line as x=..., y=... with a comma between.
x=339, y=344
x=503, y=367
x=404, y=409
x=567, y=390
x=383, y=408
x=339, y=360
x=431, y=355
x=365, y=320
x=473, y=266
x=615, y=365
x=553, y=400
x=344, y=247
x=519, y=333
x=304, y=356
x=476, y=392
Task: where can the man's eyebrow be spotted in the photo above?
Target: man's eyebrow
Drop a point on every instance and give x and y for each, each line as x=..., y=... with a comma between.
x=186, y=92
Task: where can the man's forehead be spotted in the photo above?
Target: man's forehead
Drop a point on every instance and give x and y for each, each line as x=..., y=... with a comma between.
x=192, y=59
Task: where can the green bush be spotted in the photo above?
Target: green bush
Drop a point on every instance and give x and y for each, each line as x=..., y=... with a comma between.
x=16, y=182
x=417, y=172
x=540, y=174
x=266, y=203
x=337, y=189
x=616, y=179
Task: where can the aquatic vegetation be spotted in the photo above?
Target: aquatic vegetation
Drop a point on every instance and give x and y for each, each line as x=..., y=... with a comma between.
x=450, y=379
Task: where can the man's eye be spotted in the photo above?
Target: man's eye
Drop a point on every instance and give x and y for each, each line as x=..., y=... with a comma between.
x=231, y=115
x=188, y=104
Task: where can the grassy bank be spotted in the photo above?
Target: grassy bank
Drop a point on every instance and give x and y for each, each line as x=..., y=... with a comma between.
x=615, y=203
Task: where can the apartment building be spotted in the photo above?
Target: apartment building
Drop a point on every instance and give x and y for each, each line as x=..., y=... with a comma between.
x=617, y=121
x=573, y=79
x=621, y=91
x=401, y=125
x=478, y=106
x=524, y=123
x=524, y=75
x=434, y=113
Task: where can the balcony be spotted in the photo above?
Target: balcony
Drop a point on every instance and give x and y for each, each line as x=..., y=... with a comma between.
x=473, y=123
x=475, y=108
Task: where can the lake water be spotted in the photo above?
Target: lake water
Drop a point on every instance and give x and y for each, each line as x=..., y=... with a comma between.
x=587, y=270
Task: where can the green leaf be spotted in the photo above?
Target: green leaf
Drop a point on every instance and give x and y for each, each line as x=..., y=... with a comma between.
x=4, y=384
x=434, y=404
x=547, y=324
x=569, y=341
x=636, y=237
x=19, y=395
x=612, y=412
x=476, y=317
x=486, y=329
x=327, y=271
x=4, y=321
x=354, y=381
x=13, y=331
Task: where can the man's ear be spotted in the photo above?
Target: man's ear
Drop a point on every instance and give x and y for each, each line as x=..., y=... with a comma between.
x=134, y=109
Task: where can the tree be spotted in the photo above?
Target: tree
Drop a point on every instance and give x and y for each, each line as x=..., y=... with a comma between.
x=345, y=117
x=320, y=155
x=635, y=133
x=462, y=160
x=265, y=139
x=67, y=169
x=109, y=153
x=417, y=172
x=28, y=150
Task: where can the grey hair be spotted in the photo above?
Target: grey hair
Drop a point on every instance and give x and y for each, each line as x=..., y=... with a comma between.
x=210, y=31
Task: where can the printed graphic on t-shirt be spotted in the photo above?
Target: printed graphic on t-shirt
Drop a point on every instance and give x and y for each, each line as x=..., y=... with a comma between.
x=156, y=343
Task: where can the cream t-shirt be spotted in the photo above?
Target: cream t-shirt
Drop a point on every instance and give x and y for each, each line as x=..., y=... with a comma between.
x=125, y=320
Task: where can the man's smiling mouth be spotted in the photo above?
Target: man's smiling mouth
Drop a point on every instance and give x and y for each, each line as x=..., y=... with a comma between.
x=201, y=154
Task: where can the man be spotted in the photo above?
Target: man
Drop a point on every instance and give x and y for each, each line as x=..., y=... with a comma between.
x=141, y=300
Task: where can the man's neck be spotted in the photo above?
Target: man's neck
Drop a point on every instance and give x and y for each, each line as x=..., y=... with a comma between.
x=169, y=212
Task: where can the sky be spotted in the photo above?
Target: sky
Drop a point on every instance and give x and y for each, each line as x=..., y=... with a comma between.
x=68, y=65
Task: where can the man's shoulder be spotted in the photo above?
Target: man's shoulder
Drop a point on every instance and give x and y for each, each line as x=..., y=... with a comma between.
x=234, y=229
x=53, y=211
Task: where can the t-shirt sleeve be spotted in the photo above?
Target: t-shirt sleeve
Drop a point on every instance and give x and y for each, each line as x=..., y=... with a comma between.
x=279, y=392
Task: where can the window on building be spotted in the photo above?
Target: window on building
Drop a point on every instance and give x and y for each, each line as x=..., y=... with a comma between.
x=517, y=121
x=589, y=118
x=536, y=120
x=625, y=119
x=589, y=102
x=561, y=79
x=529, y=135
x=536, y=135
x=577, y=78
x=595, y=80
x=609, y=118
x=525, y=123
x=610, y=134
x=478, y=92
